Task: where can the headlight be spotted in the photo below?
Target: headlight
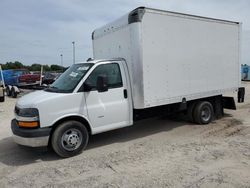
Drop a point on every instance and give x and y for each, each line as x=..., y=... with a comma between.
x=27, y=117
x=26, y=112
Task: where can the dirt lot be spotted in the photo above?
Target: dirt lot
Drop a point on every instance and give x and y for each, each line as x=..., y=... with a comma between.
x=153, y=153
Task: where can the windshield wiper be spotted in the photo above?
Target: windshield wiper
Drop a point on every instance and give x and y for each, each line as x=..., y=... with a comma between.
x=52, y=88
x=56, y=90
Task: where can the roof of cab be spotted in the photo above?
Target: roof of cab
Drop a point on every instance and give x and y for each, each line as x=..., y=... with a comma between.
x=101, y=60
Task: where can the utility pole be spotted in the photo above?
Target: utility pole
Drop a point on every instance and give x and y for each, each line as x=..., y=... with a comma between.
x=62, y=61
x=73, y=52
x=41, y=75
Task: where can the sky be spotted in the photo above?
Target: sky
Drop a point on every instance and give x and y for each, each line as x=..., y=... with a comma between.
x=34, y=31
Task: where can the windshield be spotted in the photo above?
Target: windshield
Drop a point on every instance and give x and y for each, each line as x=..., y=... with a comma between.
x=67, y=82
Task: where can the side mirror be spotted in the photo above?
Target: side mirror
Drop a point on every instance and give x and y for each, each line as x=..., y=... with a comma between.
x=102, y=83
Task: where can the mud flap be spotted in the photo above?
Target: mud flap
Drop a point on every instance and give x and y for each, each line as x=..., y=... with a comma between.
x=241, y=95
x=228, y=103
x=218, y=107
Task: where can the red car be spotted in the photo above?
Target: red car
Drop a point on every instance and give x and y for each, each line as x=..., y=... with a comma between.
x=26, y=78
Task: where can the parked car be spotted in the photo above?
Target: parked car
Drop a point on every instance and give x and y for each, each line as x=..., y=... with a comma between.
x=49, y=78
x=29, y=79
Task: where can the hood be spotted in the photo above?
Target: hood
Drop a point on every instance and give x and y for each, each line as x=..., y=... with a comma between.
x=32, y=99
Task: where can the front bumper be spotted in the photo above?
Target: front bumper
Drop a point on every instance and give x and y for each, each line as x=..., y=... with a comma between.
x=38, y=137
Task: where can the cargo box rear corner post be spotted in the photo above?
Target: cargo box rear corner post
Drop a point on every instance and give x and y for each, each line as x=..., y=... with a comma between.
x=144, y=65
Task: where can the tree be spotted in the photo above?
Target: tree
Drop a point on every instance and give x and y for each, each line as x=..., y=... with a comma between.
x=56, y=68
x=11, y=65
x=33, y=67
x=46, y=68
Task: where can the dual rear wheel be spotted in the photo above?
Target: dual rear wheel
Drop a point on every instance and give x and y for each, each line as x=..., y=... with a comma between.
x=201, y=112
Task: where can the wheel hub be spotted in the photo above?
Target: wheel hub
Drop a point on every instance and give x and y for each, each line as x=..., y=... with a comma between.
x=71, y=139
x=205, y=114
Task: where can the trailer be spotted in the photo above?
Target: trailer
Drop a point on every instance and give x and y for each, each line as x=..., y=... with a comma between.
x=15, y=80
x=147, y=63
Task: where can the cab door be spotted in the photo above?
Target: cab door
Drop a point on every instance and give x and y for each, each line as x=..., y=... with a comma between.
x=109, y=109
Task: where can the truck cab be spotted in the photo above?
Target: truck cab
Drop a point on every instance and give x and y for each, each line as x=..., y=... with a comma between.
x=89, y=98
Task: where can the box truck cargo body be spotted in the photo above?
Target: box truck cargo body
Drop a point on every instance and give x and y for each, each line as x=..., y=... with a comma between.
x=172, y=56
x=149, y=62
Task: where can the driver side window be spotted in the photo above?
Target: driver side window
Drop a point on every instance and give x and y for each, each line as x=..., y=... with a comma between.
x=111, y=71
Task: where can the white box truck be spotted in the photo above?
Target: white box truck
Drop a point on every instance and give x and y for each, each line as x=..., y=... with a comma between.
x=149, y=62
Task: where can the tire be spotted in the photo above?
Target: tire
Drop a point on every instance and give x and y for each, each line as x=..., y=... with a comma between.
x=69, y=138
x=13, y=93
x=203, y=112
x=190, y=112
x=8, y=91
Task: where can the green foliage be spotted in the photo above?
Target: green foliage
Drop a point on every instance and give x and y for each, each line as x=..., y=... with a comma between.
x=13, y=65
x=56, y=68
x=33, y=67
x=46, y=68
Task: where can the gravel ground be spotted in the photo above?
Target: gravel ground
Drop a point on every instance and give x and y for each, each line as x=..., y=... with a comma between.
x=158, y=152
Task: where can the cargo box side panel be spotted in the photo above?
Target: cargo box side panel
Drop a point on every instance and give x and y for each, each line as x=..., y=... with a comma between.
x=187, y=57
x=123, y=41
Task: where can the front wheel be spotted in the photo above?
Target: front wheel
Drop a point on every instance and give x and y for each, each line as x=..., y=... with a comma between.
x=69, y=138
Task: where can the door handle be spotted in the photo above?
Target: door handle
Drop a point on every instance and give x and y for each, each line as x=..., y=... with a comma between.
x=125, y=93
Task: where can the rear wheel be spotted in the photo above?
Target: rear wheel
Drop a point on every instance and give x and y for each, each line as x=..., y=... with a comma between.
x=69, y=138
x=203, y=112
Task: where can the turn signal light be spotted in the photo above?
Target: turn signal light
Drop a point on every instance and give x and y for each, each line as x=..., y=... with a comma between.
x=30, y=124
